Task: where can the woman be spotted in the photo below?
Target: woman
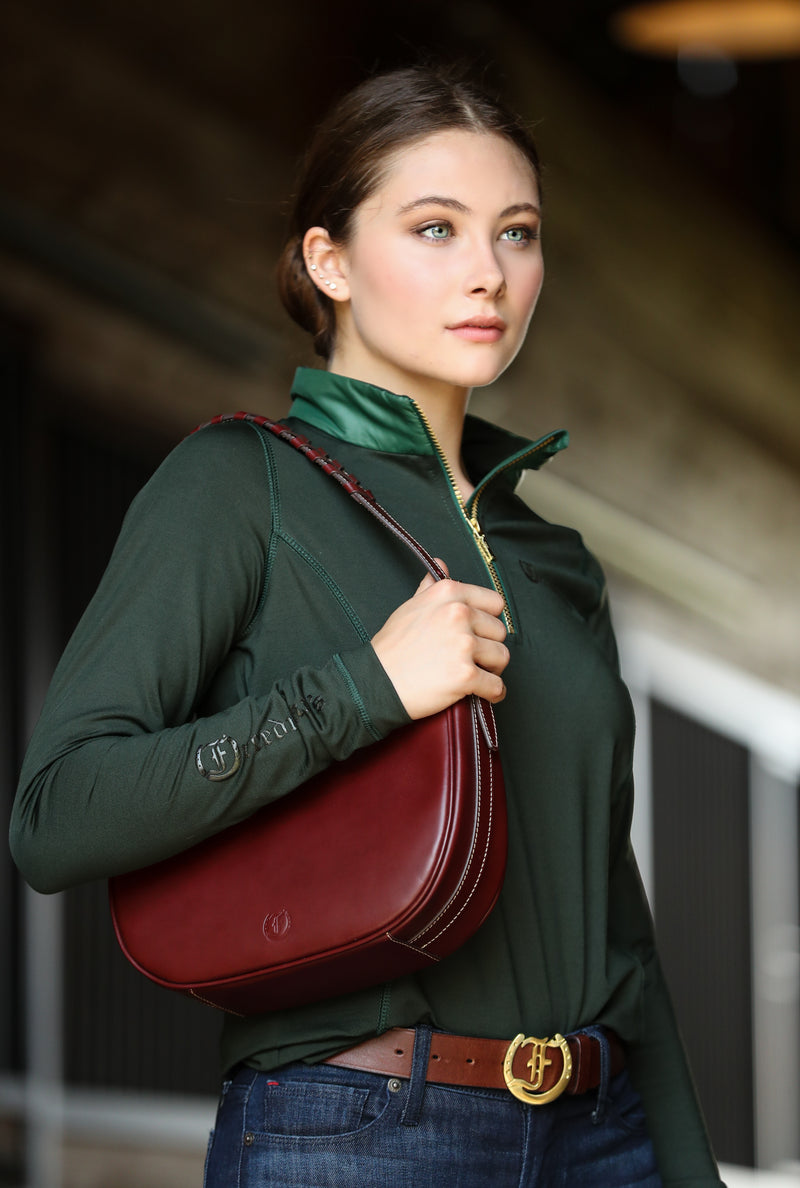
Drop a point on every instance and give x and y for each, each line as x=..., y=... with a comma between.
x=243, y=593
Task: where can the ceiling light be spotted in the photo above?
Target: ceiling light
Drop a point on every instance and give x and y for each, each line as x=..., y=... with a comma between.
x=739, y=28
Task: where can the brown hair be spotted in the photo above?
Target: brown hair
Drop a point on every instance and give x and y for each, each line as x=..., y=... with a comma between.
x=346, y=159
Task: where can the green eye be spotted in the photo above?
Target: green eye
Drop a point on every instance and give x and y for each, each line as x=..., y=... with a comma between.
x=518, y=234
x=437, y=231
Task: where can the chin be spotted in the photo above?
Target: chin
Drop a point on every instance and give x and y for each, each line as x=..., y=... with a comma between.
x=482, y=370
x=480, y=377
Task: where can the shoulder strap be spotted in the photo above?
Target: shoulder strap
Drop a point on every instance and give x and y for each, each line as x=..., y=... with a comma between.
x=346, y=480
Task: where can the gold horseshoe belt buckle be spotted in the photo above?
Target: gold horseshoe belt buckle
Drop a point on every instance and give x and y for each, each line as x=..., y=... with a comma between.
x=533, y=1090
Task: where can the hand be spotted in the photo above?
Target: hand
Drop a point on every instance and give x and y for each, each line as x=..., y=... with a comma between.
x=443, y=644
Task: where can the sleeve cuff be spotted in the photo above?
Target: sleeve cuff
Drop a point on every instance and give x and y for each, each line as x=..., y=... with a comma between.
x=375, y=696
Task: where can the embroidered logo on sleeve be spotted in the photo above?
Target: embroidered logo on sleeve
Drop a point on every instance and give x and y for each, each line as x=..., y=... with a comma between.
x=222, y=758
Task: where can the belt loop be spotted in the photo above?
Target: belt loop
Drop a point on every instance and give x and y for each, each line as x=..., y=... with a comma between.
x=419, y=1073
x=599, y=1034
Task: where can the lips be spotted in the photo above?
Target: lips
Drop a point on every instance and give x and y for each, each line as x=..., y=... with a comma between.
x=479, y=329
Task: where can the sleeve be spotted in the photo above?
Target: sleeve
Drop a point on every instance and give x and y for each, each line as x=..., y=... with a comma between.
x=119, y=770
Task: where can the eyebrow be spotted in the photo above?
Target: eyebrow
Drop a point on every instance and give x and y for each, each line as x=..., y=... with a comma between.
x=454, y=204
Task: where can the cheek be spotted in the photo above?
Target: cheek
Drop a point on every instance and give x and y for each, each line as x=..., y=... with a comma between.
x=381, y=284
x=530, y=286
x=412, y=278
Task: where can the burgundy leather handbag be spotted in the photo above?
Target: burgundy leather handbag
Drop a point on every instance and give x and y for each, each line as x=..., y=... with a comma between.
x=377, y=867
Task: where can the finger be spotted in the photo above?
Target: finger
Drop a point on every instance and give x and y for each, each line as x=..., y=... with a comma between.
x=488, y=626
x=490, y=687
x=490, y=656
x=482, y=598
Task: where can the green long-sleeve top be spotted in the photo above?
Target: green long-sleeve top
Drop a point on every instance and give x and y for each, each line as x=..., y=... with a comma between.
x=239, y=603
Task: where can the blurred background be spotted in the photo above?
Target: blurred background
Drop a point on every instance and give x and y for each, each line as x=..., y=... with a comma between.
x=146, y=154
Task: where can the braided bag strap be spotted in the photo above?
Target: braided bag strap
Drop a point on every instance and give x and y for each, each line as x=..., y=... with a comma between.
x=343, y=477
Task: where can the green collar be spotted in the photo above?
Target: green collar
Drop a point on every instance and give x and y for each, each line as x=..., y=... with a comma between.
x=359, y=413
x=365, y=415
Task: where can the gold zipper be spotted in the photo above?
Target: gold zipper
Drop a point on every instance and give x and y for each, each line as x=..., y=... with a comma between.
x=475, y=525
x=511, y=463
x=472, y=521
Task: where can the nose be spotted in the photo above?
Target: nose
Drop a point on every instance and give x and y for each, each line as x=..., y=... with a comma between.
x=485, y=277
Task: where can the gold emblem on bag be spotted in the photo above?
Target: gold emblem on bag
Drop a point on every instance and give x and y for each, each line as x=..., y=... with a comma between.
x=531, y=1090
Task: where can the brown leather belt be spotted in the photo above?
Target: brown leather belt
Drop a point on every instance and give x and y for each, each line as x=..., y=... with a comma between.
x=534, y=1070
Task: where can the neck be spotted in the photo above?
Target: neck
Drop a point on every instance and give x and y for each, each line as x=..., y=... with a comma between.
x=445, y=416
x=443, y=405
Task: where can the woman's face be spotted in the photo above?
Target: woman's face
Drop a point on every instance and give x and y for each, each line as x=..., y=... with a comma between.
x=441, y=276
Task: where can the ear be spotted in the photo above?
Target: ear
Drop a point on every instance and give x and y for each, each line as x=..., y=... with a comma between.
x=325, y=264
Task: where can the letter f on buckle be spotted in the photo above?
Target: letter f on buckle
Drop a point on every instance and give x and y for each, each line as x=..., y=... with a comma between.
x=530, y=1091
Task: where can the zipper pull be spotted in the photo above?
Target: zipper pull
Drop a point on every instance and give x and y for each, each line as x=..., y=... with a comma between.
x=480, y=540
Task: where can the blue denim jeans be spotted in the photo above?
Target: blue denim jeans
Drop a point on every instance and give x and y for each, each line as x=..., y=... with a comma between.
x=322, y=1126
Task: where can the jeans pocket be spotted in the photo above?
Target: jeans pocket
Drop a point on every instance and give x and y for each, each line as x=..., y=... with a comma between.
x=309, y=1109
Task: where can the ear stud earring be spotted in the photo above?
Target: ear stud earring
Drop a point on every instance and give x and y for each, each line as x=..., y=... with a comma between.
x=321, y=275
